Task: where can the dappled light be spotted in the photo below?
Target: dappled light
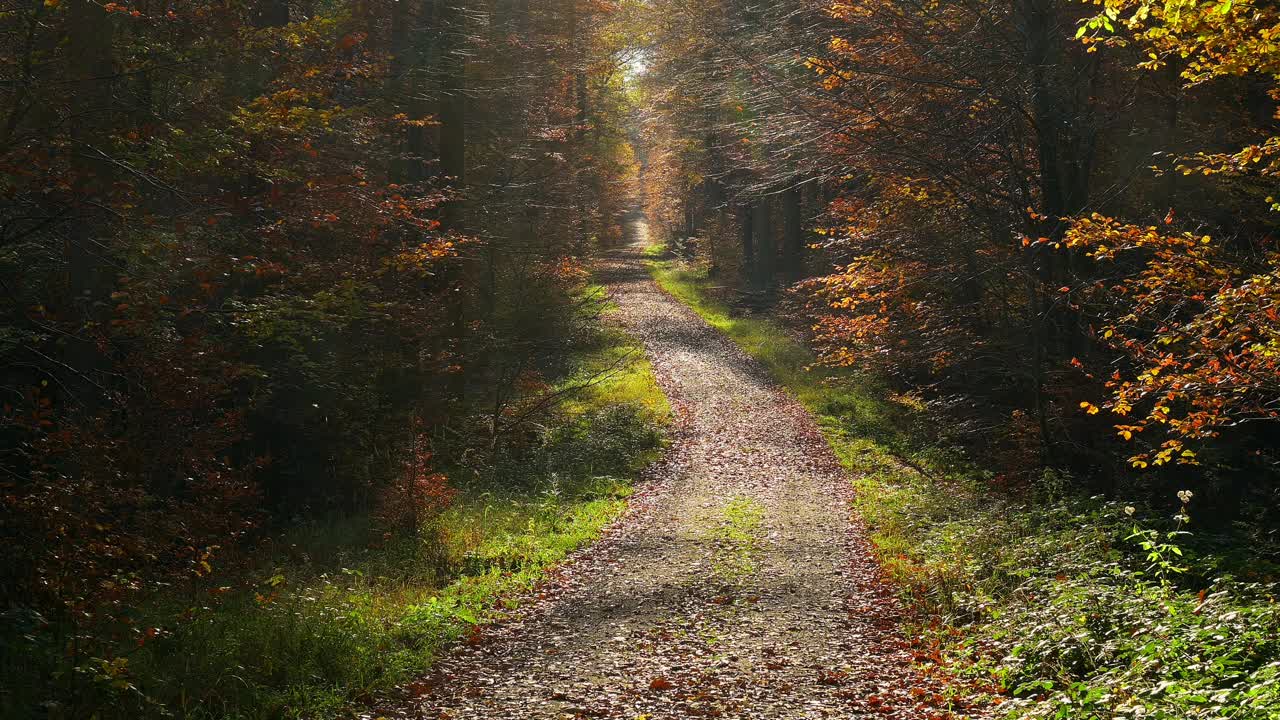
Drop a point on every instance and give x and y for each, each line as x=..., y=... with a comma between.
x=639, y=359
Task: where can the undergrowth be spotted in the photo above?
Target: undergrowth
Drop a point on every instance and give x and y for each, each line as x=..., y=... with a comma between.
x=337, y=612
x=737, y=538
x=1050, y=604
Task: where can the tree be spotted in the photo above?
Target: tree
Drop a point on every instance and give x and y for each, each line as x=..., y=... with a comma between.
x=264, y=261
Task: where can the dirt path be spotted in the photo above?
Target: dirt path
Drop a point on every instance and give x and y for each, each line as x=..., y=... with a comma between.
x=736, y=587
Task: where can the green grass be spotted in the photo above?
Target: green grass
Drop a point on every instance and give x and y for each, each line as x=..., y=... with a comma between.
x=1042, y=599
x=339, y=613
x=613, y=370
x=656, y=250
x=306, y=644
x=617, y=373
x=737, y=539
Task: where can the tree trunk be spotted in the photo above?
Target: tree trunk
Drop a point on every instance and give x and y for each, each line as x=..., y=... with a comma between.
x=793, y=235
x=453, y=108
x=89, y=275
x=765, y=255
x=270, y=13
x=452, y=111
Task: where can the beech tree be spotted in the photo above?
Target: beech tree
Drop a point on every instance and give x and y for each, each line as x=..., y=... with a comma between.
x=264, y=261
x=1010, y=199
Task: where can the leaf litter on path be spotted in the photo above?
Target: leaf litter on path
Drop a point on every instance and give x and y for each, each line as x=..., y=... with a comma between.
x=642, y=625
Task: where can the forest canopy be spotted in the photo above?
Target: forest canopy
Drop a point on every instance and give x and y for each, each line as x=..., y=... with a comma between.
x=268, y=266
x=1055, y=217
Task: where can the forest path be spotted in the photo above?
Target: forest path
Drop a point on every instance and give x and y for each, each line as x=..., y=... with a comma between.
x=737, y=585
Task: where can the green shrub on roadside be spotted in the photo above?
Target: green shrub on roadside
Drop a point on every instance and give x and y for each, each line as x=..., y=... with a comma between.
x=1061, y=609
x=1056, y=606
x=341, y=611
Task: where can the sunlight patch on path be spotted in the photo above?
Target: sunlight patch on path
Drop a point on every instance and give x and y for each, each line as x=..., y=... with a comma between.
x=647, y=623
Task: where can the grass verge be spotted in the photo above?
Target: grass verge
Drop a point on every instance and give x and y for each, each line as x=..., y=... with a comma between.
x=1049, y=604
x=337, y=612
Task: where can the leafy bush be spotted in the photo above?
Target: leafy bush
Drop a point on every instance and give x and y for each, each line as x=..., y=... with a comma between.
x=604, y=441
x=1062, y=607
x=1052, y=604
x=343, y=609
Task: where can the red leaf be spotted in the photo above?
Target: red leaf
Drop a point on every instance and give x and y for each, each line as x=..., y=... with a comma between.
x=661, y=683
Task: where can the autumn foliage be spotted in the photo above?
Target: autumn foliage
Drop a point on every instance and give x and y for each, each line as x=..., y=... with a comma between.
x=1052, y=218
x=204, y=244
x=257, y=257
x=273, y=261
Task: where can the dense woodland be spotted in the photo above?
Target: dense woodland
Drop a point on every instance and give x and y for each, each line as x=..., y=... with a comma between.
x=268, y=262
x=1025, y=210
x=273, y=264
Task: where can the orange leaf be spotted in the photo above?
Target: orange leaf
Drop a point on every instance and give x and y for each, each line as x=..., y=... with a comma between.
x=661, y=683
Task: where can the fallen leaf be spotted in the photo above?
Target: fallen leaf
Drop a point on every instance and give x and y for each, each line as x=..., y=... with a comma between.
x=661, y=683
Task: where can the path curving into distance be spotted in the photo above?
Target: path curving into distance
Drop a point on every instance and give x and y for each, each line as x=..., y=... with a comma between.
x=737, y=585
